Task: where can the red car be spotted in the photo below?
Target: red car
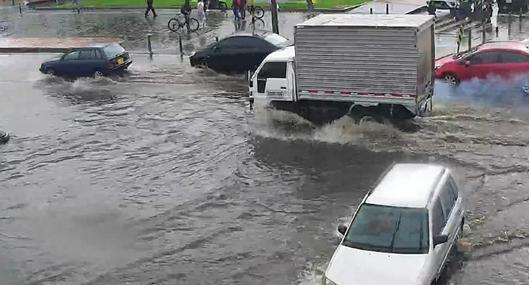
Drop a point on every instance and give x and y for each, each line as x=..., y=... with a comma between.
x=502, y=59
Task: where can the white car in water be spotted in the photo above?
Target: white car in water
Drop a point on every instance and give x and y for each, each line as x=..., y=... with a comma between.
x=403, y=231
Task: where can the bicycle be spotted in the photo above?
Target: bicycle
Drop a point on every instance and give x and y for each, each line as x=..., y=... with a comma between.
x=256, y=11
x=175, y=24
x=3, y=27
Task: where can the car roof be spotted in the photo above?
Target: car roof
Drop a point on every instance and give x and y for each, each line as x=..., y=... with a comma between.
x=255, y=34
x=407, y=185
x=506, y=45
x=99, y=45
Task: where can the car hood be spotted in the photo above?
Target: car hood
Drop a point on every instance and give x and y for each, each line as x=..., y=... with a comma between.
x=350, y=266
x=53, y=59
x=444, y=60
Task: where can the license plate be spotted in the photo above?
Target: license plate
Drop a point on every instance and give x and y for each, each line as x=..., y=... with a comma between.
x=121, y=60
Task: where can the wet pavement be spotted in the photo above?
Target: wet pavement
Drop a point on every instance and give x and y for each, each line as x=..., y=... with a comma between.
x=164, y=175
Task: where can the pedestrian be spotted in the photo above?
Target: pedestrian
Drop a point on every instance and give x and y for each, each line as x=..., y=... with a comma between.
x=242, y=9
x=206, y=7
x=201, y=12
x=76, y=6
x=489, y=11
x=150, y=7
x=310, y=5
x=236, y=12
x=431, y=8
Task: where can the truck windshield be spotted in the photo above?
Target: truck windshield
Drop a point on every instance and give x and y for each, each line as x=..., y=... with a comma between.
x=389, y=229
x=113, y=50
x=277, y=40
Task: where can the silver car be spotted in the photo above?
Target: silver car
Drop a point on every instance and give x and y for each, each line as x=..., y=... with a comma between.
x=403, y=231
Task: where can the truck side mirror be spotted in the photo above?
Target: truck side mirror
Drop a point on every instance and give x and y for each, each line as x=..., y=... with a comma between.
x=440, y=240
x=342, y=229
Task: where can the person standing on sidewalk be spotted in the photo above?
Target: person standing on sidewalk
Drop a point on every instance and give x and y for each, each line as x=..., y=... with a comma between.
x=150, y=7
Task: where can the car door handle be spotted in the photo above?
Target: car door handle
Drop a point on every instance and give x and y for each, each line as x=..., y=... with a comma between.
x=283, y=87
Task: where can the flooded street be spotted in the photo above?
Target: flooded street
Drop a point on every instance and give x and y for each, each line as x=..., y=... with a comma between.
x=164, y=176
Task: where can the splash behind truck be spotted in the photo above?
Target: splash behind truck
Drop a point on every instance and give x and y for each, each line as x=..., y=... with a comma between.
x=367, y=66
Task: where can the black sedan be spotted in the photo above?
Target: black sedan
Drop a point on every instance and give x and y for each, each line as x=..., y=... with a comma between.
x=239, y=52
x=97, y=60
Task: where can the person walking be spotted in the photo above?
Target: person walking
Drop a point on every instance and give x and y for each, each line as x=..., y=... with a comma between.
x=150, y=7
x=242, y=9
x=201, y=12
x=236, y=11
x=310, y=6
x=206, y=7
x=431, y=8
x=76, y=6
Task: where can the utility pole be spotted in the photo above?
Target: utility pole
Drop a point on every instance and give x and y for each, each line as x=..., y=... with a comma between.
x=275, y=24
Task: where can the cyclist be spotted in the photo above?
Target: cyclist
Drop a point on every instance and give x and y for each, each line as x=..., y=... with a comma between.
x=186, y=10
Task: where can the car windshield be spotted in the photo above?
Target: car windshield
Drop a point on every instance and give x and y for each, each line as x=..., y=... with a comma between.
x=389, y=229
x=113, y=50
x=277, y=40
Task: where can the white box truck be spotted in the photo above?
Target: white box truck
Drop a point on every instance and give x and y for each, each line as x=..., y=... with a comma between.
x=368, y=66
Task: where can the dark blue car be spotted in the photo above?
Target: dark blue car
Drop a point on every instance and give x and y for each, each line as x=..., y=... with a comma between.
x=97, y=60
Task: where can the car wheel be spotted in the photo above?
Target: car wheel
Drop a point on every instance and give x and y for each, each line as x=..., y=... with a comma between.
x=98, y=74
x=451, y=79
x=525, y=87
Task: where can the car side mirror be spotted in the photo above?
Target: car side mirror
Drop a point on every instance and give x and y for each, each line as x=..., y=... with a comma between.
x=467, y=63
x=342, y=229
x=440, y=240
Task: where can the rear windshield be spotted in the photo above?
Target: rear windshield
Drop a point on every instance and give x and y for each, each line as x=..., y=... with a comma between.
x=277, y=40
x=113, y=50
x=389, y=229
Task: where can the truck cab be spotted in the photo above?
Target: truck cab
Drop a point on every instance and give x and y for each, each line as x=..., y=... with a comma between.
x=274, y=79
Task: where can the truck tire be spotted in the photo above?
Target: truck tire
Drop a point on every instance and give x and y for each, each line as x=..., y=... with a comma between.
x=362, y=115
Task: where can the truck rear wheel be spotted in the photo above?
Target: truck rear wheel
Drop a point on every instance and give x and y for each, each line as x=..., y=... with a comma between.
x=362, y=115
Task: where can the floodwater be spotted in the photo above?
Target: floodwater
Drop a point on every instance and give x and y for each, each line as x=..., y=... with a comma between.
x=164, y=176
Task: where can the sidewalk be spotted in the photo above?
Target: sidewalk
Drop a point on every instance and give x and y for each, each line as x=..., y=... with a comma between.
x=30, y=45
